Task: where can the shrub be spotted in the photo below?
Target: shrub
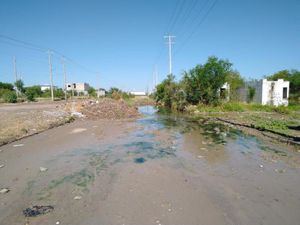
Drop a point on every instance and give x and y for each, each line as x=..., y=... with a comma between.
x=30, y=95
x=10, y=97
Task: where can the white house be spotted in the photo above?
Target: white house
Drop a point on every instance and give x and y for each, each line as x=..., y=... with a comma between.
x=80, y=88
x=268, y=92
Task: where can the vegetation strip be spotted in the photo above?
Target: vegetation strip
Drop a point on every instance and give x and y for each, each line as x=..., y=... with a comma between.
x=295, y=140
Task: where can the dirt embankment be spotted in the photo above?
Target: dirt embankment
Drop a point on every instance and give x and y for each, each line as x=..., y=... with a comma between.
x=22, y=120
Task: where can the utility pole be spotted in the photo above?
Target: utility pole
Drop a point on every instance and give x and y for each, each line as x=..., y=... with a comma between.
x=169, y=37
x=15, y=73
x=50, y=73
x=65, y=77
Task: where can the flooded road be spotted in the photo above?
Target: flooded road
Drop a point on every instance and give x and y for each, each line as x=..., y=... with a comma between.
x=160, y=169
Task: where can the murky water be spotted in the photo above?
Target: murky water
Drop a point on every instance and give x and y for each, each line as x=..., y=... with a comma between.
x=160, y=169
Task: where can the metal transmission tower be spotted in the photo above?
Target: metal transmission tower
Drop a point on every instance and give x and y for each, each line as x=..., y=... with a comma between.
x=50, y=73
x=169, y=37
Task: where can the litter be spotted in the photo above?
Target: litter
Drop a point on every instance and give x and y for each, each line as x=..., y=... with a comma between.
x=77, y=197
x=43, y=169
x=4, y=191
x=18, y=145
x=37, y=210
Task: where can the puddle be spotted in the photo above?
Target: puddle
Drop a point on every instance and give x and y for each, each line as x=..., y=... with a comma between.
x=139, y=160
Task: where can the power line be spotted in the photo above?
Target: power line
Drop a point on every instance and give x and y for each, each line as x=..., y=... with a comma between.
x=24, y=43
x=198, y=25
x=36, y=47
x=181, y=7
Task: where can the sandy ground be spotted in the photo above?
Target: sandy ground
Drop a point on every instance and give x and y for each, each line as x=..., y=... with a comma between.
x=153, y=171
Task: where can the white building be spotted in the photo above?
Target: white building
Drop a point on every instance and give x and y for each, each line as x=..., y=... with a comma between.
x=80, y=88
x=45, y=87
x=268, y=92
x=138, y=93
x=100, y=93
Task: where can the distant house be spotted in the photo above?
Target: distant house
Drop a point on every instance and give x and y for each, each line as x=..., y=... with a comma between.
x=267, y=92
x=100, y=92
x=45, y=87
x=80, y=88
x=138, y=93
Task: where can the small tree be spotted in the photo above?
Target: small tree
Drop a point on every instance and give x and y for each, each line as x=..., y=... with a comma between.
x=251, y=93
x=92, y=92
x=202, y=84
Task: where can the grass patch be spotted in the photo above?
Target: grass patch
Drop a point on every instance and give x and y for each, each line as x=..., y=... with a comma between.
x=242, y=107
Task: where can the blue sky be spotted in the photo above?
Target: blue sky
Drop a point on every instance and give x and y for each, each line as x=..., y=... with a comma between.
x=120, y=42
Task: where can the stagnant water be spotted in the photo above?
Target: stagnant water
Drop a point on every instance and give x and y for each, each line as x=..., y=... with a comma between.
x=160, y=169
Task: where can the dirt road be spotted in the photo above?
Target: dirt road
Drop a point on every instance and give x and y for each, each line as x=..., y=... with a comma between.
x=156, y=170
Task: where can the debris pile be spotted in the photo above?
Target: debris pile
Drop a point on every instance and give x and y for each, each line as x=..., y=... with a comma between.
x=105, y=108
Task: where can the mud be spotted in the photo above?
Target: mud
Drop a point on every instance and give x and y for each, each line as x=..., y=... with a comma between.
x=159, y=169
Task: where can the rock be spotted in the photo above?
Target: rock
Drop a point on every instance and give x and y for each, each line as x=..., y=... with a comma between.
x=217, y=130
x=200, y=156
x=77, y=197
x=43, y=169
x=4, y=191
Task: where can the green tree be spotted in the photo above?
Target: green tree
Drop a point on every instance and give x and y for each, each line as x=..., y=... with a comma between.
x=7, y=86
x=166, y=92
x=92, y=92
x=202, y=83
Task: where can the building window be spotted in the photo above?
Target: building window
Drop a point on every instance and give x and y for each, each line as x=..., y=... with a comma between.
x=284, y=93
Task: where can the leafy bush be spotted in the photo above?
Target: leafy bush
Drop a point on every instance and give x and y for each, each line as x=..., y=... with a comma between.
x=10, y=96
x=202, y=84
x=92, y=92
x=30, y=95
x=7, y=86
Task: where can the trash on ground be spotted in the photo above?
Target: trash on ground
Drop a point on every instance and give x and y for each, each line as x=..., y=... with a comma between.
x=1, y=166
x=43, y=169
x=78, y=130
x=18, y=145
x=37, y=210
x=77, y=197
x=4, y=190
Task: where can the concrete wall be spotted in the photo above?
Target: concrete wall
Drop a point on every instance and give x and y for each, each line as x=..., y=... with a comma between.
x=267, y=92
x=273, y=92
